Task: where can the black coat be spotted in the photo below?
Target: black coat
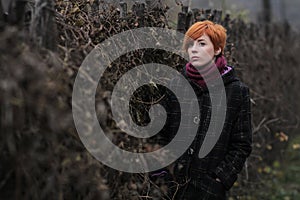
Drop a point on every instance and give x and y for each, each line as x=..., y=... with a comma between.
x=227, y=157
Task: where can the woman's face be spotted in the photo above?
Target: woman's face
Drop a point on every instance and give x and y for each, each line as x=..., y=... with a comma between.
x=201, y=51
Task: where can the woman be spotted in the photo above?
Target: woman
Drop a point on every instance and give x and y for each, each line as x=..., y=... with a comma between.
x=209, y=178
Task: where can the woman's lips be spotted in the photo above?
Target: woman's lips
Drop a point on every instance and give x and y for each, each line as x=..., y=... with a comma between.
x=195, y=58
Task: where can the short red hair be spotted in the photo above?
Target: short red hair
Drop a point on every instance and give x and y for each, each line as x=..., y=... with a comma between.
x=216, y=33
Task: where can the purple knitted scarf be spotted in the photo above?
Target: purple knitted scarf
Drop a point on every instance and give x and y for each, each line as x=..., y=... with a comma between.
x=208, y=71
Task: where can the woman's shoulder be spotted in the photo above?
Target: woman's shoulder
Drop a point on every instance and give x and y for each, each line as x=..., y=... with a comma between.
x=238, y=86
x=237, y=90
x=238, y=94
x=235, y=83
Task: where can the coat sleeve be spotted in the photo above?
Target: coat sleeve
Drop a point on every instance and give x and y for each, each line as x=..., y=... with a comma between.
x=240, y=144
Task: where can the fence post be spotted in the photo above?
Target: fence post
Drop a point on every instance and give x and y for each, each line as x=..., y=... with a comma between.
x=226, y=21
x=95, y=6
x=185, y=18
x=123, y=9
x=43, y=26
x=217, y=15
x=153, y=4
x=181, y=21
x=139, y=10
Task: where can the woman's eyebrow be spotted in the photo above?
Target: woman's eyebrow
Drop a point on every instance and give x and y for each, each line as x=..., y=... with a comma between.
x=201, y=40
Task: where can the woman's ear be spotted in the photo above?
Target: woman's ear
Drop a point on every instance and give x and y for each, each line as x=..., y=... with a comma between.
x=218, y=51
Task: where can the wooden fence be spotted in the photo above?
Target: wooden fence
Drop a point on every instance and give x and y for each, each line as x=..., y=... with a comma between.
x=38, y=16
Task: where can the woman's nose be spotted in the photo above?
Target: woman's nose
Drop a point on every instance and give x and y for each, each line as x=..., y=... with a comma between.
x=193, y=47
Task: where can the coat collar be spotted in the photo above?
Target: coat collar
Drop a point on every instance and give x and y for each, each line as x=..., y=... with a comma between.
x=227, y=78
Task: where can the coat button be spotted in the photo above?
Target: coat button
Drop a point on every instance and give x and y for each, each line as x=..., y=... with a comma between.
x=190, y=151
x=196, y=120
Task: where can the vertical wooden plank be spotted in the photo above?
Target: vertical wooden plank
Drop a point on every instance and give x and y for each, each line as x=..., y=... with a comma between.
x=181, y=22
x=139, y=10
x=43, y=29
x=123, y=6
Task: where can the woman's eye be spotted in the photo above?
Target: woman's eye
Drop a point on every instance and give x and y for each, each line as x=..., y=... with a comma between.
x=202, y=44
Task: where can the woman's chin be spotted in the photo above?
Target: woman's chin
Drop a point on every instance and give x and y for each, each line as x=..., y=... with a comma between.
x=198, y=64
